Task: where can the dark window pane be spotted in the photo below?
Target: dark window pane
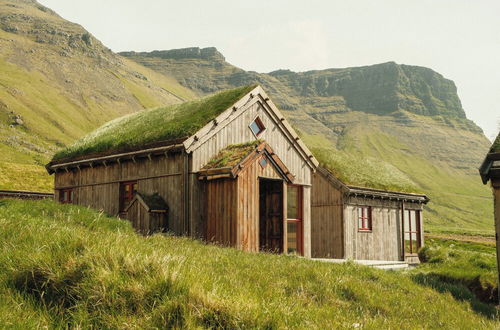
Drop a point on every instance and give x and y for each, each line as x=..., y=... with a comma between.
x=292, y=202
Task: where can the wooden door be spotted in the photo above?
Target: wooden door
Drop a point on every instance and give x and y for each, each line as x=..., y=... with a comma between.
x=271, y=216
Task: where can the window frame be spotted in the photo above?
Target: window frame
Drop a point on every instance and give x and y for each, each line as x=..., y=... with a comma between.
x=364, y=220
x=260, y=125
x=70, y=193
x=131, y=194
x=298, y=220
x=412, y=232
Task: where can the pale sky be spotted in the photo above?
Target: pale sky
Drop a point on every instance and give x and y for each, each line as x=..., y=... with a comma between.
x=458, y=38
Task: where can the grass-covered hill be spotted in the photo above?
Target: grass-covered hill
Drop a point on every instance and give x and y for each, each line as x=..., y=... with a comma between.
x=65, y=266
x=387, y=126
x=57, y=83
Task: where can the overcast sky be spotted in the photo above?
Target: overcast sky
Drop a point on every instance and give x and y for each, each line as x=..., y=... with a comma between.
x=458, y=38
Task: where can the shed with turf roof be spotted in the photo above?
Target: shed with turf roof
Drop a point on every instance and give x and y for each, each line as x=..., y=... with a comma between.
x=229, y=166
x=350, y=222
x=490, y=172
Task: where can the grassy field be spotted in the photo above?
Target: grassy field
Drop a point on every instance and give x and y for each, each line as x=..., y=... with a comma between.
x=465, y=267
x=68, y=266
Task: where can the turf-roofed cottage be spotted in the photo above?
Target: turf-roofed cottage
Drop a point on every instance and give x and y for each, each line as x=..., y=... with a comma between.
x=349, y=222
x=227, y=168
x=490, y=172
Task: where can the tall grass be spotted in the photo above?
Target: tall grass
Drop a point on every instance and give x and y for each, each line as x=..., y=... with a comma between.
x=68, y=266
x=451, y=265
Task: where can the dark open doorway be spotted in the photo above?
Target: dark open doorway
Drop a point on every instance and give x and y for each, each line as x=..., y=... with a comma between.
x=271, y=215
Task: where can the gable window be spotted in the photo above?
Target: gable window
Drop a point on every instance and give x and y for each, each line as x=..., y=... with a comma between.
x=127, y=193
x=66, y=196
x=364, y=218
x=263, y=162
x=257, y=127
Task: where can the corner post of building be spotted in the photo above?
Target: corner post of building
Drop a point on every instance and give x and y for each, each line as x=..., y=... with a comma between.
x=495, y=185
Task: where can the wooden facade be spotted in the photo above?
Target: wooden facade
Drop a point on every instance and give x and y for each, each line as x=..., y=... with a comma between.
x=226, y=211
x=336, y=230
x=490, y=172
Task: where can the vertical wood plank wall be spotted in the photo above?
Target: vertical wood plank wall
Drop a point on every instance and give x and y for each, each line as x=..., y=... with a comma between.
x=221, y=208
x=248, y=204
x=495, y=183
x=98, y=187
x=235, y=221
x=238, y=132
x=326, y=219
x=384, y=242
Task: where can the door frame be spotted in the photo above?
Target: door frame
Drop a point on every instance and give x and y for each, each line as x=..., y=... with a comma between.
x=299, y=220
x=283, y=211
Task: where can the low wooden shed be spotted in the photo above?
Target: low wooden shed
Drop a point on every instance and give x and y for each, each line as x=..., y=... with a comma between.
x=148, y=213
x=359, y=223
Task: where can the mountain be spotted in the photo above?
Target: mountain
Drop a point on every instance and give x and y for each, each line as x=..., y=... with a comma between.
x=387, y=125
x=57, y=83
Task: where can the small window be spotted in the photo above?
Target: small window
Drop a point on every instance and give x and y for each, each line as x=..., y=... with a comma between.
x=257, y=127
x=66, y=196
x=294, y=225
x=127, y=193
x=263, y=162
x=364, y=218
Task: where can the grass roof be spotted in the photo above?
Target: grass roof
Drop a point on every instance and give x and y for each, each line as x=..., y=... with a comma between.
x=364, y=172
x=232, y=155
x=496, y=145
x=150, y=126
x=154, y=201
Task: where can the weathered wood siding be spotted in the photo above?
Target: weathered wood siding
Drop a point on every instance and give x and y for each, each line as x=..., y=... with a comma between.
x=495, y=182
x=326, y=219
x=221, y=212
x=384, y=242
x=248, y=204
x=237, y=131
x=144, y=221
x=232, y=209
x=98, y=187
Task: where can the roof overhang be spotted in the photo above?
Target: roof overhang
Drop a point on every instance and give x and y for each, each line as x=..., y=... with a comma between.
x=354, y=191
x=233, y=172
x=490, y=168
x=257, y=95
x=53, y=167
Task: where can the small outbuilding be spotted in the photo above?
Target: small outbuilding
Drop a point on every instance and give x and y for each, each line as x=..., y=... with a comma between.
x=359, y=223
x=147, y=213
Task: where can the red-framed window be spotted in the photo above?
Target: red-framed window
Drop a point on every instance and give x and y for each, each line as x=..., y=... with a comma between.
x=294, y=223
x=66, y=196
x=411, y=228
x=127, y=193
x=257, y=127
x=364, y=218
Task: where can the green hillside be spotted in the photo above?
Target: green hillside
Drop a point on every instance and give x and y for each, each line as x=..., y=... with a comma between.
x=57, y=83
x=75, y=268
x=386, y=126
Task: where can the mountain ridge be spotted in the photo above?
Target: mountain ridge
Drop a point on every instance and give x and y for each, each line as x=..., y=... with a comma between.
x=388, y=125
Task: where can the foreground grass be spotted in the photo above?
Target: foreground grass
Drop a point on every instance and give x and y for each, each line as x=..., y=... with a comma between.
x=467, y=270
x=67, y=266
